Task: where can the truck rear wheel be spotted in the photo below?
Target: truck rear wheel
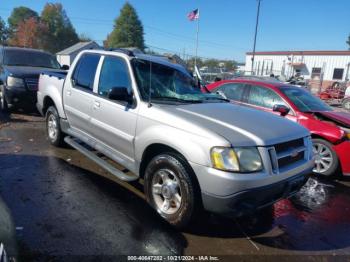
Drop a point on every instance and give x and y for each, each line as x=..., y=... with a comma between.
x=53, y=128
x=171, y=189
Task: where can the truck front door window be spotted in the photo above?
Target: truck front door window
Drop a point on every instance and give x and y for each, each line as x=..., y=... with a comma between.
x=114, y=74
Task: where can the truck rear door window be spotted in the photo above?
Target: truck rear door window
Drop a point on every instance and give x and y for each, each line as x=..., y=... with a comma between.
x=114, y=73
x=85, y=71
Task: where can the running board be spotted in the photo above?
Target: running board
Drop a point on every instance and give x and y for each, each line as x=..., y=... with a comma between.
x=98, y=160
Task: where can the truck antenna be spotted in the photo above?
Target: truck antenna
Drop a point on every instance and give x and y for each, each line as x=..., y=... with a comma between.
x=150, y=85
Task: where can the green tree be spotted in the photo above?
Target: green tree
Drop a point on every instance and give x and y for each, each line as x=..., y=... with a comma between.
x=3, y=32
x=128, y=30
x=190, y=62
x=348, y=42
x=18, y=15
x=61, y=33
x=84, y=38
x=230, y=64
x=211, y=63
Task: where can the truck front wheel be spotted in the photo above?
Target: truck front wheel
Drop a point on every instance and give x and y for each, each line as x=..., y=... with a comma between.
x=171, y=189
x=53, y=128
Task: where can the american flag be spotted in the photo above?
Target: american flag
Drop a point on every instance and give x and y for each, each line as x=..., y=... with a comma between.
x=194, y=15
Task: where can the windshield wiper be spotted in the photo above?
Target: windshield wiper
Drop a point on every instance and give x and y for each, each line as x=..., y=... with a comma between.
x=175, y=99
x=217, y=98
x=17, y=65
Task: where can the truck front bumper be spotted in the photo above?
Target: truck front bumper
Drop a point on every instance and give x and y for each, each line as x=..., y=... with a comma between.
x=20, y=96
x=249, y=201
x=235, y=194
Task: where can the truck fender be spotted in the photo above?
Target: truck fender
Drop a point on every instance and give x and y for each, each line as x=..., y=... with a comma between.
x=55, y=96
x=193, y=147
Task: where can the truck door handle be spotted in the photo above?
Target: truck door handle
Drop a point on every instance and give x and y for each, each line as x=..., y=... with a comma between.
x=97, y=104
x=69, y=93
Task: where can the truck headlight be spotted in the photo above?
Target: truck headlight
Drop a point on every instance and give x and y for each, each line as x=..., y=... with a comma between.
x=239, y=159
x=14, y=81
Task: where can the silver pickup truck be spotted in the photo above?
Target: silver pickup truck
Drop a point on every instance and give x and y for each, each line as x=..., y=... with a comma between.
x=192, y=150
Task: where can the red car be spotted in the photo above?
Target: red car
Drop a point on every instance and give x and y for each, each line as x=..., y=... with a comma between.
x=330, y=129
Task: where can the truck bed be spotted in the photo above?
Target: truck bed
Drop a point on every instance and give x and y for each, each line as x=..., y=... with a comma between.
x=50, y=86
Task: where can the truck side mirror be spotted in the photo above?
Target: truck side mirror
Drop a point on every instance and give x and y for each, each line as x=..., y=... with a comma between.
x=120, y=94
x=282, y=109
x=65, y=67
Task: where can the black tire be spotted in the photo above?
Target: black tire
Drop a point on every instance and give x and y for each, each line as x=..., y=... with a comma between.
x=190, y=197
x=3, y=103
x=334, y=166
x=346, y=103
x=52, y=115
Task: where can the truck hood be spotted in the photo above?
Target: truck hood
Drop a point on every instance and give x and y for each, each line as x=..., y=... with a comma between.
x=341, y=118
x=241, y=126
x=28, y=71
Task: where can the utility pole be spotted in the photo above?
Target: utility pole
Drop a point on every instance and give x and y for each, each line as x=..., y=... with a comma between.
x=256, y=32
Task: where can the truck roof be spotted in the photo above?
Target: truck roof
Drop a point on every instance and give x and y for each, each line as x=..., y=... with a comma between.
x=24, y=49
x=152, y=58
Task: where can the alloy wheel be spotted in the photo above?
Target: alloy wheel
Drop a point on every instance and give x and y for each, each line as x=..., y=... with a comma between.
x=347, y=105
x=52, y=127
x=166, y=191
x=323, y=158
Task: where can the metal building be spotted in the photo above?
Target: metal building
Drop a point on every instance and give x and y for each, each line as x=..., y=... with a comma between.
x=324, y=67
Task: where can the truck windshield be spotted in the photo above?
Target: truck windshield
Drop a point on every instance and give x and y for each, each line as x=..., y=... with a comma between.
x=30, y=58
x=304, y=100
x=168, y=84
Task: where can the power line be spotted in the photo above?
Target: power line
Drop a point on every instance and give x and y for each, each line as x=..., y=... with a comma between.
x=188, y=55
x=94, y=21
x=170, y=34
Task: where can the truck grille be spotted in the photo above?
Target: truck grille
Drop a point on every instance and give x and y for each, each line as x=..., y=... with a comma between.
x=32, y=83
x=290, y=144
x=288, y=153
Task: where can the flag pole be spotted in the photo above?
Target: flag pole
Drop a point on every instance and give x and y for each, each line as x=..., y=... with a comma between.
x=195, y=58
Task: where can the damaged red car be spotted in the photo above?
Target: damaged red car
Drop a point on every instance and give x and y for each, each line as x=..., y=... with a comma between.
x=330, y=129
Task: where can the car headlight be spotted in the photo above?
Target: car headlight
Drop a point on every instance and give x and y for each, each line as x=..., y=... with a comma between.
x=14, y=81
x=238, y=159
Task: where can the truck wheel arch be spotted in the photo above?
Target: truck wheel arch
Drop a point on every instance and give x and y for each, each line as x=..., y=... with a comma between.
x=151, y=151
x=47, y=103
x=155, y=149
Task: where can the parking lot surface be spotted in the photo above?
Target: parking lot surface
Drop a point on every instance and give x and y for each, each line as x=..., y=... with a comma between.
x=66, y=208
